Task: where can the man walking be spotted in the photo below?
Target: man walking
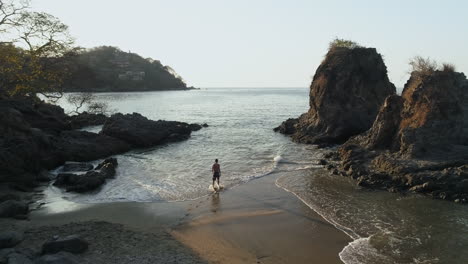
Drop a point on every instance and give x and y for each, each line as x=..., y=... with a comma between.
x=216, y=169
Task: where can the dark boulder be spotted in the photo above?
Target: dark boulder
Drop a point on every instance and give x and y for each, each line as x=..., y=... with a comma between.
x=89, y=181
x=113, y=161
x=11, y=208
x=195, y=127
x=59, y=258
x=139, y=131
x=10, y=239
x=346, y=93
x=73, y=244
x=76, y=167
x=87, y=146
x=17, y=258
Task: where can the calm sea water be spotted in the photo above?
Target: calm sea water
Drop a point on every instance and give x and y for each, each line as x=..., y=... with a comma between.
x=386, y=227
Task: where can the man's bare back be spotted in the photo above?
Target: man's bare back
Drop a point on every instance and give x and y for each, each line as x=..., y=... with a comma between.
x=216, y=169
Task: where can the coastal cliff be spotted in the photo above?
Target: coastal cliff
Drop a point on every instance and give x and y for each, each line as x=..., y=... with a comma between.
x=346, y=93
x=418, y=142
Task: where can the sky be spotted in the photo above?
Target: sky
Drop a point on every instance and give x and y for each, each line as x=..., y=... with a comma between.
x=267, y=43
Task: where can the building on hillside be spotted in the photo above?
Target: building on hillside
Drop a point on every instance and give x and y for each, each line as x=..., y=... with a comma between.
x=132, y=76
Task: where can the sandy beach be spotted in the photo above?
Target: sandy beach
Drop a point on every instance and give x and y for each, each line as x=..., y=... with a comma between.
x=259, y=223
x=252, y=223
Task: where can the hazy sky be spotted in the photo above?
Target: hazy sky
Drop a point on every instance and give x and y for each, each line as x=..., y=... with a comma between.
x=261, y=43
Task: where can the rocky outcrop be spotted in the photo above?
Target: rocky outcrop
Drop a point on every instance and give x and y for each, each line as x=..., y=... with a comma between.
x=346, y=93
x=86, y=119
x=72, y=244
x=89, y=181
x=418, y=141
x=139, y=131
x=36, y=136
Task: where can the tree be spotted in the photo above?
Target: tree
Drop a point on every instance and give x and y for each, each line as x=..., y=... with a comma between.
x=35, y=48
x=79, y=100
x=10, y=10
x=88, y=100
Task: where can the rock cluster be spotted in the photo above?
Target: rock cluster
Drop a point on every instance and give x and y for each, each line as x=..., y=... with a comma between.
x=58, y=250
x=346, y=93
x=418, y=141
x=89, y=181
x=36, y=137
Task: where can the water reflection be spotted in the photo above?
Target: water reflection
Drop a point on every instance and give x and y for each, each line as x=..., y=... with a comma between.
x=215, y=202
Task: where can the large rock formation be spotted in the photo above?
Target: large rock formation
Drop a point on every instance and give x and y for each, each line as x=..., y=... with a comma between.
x=418, y=142
x=89, y=181
x=346, y=93
x=139, y=131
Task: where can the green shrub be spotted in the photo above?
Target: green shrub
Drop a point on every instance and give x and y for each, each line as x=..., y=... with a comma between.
x=343, y=43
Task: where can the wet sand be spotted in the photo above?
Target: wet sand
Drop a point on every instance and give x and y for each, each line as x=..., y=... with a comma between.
x=256, y=222
x=259, y=223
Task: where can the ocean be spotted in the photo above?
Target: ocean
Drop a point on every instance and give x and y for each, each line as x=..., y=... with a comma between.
x=385, y=227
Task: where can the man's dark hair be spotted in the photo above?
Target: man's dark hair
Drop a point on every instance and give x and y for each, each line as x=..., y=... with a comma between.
x=216, y=160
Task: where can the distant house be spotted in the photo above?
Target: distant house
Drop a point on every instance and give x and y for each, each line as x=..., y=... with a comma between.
x=132, y=76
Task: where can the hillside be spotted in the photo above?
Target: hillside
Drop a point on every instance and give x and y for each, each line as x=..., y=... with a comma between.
x=109, y=69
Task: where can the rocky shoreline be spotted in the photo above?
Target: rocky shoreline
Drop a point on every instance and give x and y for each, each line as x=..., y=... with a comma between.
x=416, y=142
x=37, y=137
x=97, y=242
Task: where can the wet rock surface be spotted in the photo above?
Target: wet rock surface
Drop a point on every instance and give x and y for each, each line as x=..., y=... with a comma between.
x=346, y=93
x=89, y=181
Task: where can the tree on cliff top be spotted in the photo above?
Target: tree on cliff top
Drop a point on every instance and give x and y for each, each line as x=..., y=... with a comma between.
x=31, y=57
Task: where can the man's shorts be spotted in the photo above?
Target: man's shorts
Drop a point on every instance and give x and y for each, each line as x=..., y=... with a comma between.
x=216, y=176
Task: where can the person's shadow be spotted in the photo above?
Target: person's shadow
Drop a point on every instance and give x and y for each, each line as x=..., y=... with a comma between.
x=215, y=202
